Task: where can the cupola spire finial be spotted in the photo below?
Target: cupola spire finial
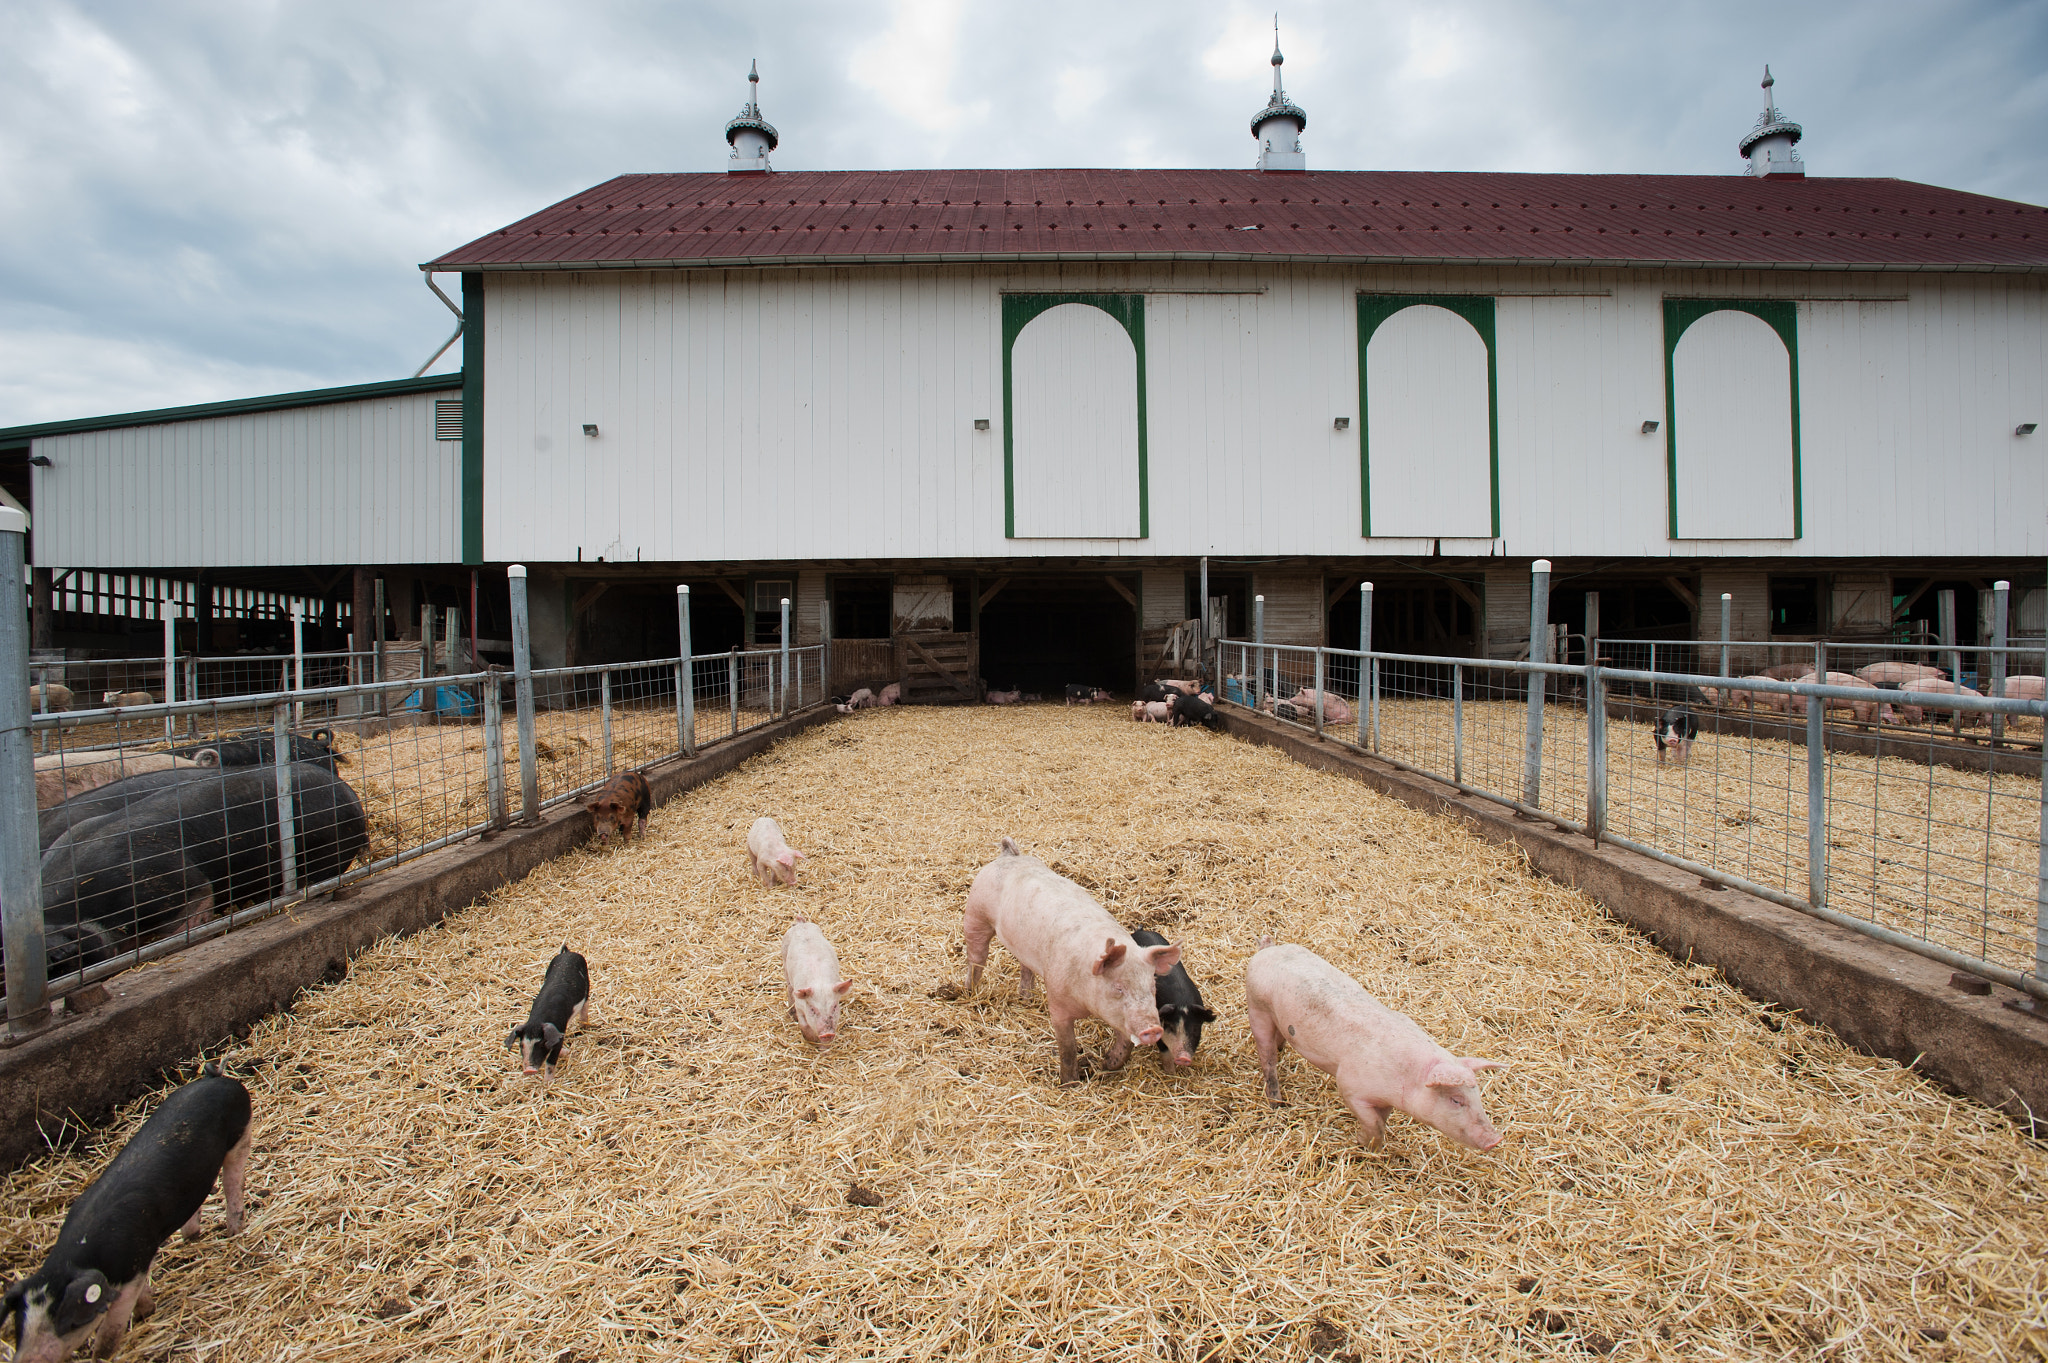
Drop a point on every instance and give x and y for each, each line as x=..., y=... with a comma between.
x=1279, y=125
x=751, y=136
x=1769, y=146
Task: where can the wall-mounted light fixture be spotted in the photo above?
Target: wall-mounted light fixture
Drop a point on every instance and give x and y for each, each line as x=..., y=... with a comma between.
x=590, y=428
x=2024, y=428
x=1343, y=423
x=42, y=461
x=981, y=423
x=1649, y=428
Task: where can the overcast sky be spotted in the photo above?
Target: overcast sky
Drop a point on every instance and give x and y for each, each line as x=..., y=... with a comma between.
x=207, y=199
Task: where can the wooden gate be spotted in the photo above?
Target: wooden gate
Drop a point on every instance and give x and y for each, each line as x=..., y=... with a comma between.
x=939, y=669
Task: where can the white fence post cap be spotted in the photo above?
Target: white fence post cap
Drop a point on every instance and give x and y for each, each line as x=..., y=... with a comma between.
x=1365, y=586
x=1727, y=596
x=12, y=521
x=515, y=570
x=2001, y=586
x=1541, y=565
x=682, y=589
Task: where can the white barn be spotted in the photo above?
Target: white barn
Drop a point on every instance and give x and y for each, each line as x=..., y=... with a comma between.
x=1054, y=392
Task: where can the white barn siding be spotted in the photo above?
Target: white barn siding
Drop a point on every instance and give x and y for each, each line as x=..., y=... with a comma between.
x=1732, y=419
x=345, y=482
x=1428, y=426
x=807, y=414
x=1074, y=397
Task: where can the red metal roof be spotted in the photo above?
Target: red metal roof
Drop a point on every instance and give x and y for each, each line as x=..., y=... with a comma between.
x=790, y=217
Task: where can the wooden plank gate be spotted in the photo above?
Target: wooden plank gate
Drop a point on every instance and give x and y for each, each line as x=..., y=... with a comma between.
x=939, y=669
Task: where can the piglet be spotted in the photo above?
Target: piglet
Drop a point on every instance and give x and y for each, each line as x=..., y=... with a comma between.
x=1380, y=1059
x=1055, y=929
x=1151, y=711
x=810, y=969
x=1194, y=710
x=564, y=998
x=620, y=806
x=1080, y=694
x=97, y=1276
x=1674, y=733
x=892, y=694
x=1335, y=709
x=1181, y=1013
x=774, y=861
x=113, y=699
x=1004, y=697
x=859, y=700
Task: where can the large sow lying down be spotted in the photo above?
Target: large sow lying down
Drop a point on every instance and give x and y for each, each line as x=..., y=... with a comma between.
x=186, y=852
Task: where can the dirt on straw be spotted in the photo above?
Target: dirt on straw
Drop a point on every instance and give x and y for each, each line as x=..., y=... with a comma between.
x=1686, y=1173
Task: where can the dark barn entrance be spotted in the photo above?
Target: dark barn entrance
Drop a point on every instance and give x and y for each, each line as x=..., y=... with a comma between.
x=1041, y=633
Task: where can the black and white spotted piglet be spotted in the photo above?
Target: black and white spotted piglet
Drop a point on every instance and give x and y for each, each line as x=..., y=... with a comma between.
x=1675, y=731
x=1180, y=1009
x=564, y=998
x=97, y=1277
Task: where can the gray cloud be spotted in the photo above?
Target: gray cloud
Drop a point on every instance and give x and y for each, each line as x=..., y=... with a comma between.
x=211, y=201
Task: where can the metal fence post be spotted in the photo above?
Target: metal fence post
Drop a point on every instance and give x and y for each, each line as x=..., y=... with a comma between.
x=1368, y=667
x=522, y=694
x=1320, y=670
x=494, y=746
x=1945, y=627
x=1592, y=627
x=192, y=693
x=604, y=695
x=783, y=709
x=1458, y=724
x=298, y=657
x=1727, y=617
x=1539, y=646
x=287, y=822
x=1596, y=746
x=686, y=681
x=169, y=608
x=21, y=891
x=2001, y=599
x=1816, y=804
x=732, y=685
x=430, y=694
x=1259, y=657
x=1202, y=631
x=377, y=648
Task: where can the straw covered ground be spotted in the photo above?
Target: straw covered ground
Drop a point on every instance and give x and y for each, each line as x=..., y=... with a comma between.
x=1927, y=850
x=1686, y=1174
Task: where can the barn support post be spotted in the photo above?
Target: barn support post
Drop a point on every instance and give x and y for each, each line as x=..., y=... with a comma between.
x=1596, y=745
x=40, y=594
x=1539, y=646
x=429, y=629
x=287, y=823
x=362, y=605
x=298, y=657
x=1727, y=619
x=167, y=607
x=494, y=747
x=1945, y=626
x=783, y=708
x=1592, y=626
x=604, y=695
x=1368, y=666
x=825, y=646
x=21, y=898
x=2001, y=598
x=1202, y=631
x=522, y=695
x=1259, y=654
x=1319, y=692
x=1458, y=723
x=732, y=686
x=686, y=680
x=1816, y=801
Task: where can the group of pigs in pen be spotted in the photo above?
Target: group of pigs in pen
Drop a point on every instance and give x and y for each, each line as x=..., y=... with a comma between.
x=96, y=1278
x=139, y=845
x=1896, y=683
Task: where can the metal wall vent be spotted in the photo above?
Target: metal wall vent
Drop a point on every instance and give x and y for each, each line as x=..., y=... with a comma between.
x=447, y=418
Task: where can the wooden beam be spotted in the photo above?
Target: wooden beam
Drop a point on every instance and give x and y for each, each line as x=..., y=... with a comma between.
x=936, y=665
x=589, y=598
x=1683, y=593
x=1334, y=597
x=1464, y=589
x=1913, y=600
x=990, y=594
x=726, y=586
x=1121, y=590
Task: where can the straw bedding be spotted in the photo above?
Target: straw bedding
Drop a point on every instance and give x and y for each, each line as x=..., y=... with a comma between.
x=1686, y=1173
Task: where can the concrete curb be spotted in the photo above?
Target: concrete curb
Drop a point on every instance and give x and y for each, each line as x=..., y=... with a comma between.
x=1876, y=998
x=156, y=1017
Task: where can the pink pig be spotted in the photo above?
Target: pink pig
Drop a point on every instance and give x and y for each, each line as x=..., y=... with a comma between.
x=1056, y=930
x=1335, y=710
x=773, y=859
x=810, y=969
x=892, y=694
x=1151, y=712
x=1380, y=1059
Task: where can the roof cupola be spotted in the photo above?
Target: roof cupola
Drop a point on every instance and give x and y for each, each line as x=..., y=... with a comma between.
x=1769, y=146
x=1279, y=125
x=751, y=136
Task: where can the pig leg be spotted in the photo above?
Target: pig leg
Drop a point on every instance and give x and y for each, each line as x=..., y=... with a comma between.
x=1118, y=1054
x=1025, y=979
x=234, y=1173
x=1070, y=1049
x=1266, y=1035
x=114, y=1324
x=581, y=1015
x=197, y=913
x=977, y=926
x=1372, y=1116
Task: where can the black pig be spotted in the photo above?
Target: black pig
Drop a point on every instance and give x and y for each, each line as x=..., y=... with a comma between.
x=1180, y=1009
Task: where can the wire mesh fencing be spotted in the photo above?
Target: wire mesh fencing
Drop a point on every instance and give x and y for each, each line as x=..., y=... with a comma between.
x=1897, y=834
x=166, y=823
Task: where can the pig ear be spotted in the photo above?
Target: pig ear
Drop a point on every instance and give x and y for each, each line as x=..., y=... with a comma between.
x=842, y=986
x=1112, y=952
x=552, y=1033
x=1205, y=1014
x=85, y=1297
x=512, y=1039
x=1163, y=958
x=1448, y=1074
x=803, y=993
x=1475, y=1064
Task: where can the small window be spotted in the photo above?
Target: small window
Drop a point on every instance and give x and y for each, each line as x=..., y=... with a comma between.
x=447, y=418
x=1795, y=605
x=768, y=594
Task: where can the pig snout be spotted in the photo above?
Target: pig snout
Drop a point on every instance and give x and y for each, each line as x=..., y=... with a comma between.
x=1148, y=1036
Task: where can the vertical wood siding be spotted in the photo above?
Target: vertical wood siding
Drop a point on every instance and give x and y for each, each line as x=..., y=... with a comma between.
x=1732, y=419
x=346, y=482
x=1165, y=597
x=1294, y=607
x=1428, y=427
x=1074, y=399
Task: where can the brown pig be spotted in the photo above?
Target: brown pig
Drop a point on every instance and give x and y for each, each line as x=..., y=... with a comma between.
x=620, y=806
x=774, y=861
x=810, y=973
x=1380, y=1059
x=1057, y=932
